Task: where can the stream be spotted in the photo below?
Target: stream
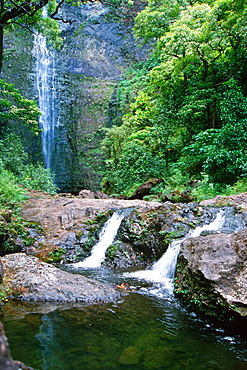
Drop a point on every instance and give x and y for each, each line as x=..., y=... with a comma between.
x=148, y=328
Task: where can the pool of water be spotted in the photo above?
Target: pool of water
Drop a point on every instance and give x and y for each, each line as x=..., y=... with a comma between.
x=146, y=329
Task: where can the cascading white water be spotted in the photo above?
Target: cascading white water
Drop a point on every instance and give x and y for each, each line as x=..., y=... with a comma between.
x=45, y=81
x=163, y=270
x=106, y=238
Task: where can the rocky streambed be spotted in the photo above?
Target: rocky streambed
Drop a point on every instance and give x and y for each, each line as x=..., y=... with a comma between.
x=211, y=270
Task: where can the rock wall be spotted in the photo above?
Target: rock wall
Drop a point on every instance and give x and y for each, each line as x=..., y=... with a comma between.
x=18, y=70
x=97, y=48
x=211, y=274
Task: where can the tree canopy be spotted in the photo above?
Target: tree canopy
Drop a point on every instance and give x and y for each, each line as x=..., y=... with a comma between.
x=188, y=109
x=13, y=106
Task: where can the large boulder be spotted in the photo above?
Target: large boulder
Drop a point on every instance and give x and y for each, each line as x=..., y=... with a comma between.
x=212, y=274
x=145, y=188
x=28, y=279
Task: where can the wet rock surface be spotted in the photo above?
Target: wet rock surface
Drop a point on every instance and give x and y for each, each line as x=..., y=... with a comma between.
x=144, y=236
x=70, y=224
x=6, y=361
x=71, y=227
x=239, y=201
x=28, y=279
x=212, y=273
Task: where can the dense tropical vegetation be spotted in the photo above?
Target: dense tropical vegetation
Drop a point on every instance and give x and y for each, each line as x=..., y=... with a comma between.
x=180, y=116
x=15, y=163
x=17, y=170
x=184, y=112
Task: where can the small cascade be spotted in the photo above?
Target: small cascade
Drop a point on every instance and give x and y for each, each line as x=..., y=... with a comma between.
x=106, y=238
x=163, y=270
x=45, y=81
x=165, y=267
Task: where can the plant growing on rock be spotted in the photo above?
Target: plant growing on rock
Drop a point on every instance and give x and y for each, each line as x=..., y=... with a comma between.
x=111, y=251
x=55, y=255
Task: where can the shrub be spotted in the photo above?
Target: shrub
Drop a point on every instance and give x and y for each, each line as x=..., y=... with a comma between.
x=11, y=194
x=37, y=177
x=14, y=159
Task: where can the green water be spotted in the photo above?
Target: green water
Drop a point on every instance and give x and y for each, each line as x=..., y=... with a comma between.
x=143, y=330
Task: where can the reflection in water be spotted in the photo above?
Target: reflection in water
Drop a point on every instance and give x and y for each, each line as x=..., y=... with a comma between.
x=146, y=330
x=47, y=336
x=139, y=332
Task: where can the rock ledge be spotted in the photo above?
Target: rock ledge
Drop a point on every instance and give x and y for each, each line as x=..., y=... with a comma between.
x=28, y=279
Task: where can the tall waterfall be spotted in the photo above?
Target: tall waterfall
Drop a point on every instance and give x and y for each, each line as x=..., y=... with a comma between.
x=45, y=81
x=106, y=238
x=163, y=270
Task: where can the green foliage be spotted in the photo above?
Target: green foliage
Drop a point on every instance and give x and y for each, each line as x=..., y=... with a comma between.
x=14, y=172
x=111, y=251
x=12, y=153
x=135, y=165
x=50, y=28
x=11, y=225
x=155, y=18
x=13, y=106
x=183, y=115
x=4, y=291
x=221, y=153
x=11, y=194
x=239, y=187
x=14, y=162
x=206, y=189
x=36, y=177
x=55, y=255
x=176, y=180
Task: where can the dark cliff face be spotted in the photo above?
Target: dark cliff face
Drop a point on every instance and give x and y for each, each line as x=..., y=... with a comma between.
x=98, y=47
x=18, y=69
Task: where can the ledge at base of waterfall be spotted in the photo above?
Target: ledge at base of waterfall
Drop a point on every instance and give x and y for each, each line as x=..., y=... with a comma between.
x=30, y=280
x=211, y=269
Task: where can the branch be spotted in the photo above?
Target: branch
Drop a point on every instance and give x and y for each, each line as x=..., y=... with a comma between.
x=60, y=18
x=175, y=56
x=57, y=8
x=21, y=7
x=39, y=5
x=26, y=27
x=53, y=15
x=231, y=75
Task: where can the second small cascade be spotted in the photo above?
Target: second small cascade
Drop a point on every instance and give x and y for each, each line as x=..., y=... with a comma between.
x=45, y=81
x=163, y=270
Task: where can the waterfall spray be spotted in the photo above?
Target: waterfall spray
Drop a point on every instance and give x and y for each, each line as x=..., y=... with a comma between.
x=45, y=80
x=163, y=270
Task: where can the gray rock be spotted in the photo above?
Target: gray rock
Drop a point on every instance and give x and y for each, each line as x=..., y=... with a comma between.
x=212, y=272
x=32, y=280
